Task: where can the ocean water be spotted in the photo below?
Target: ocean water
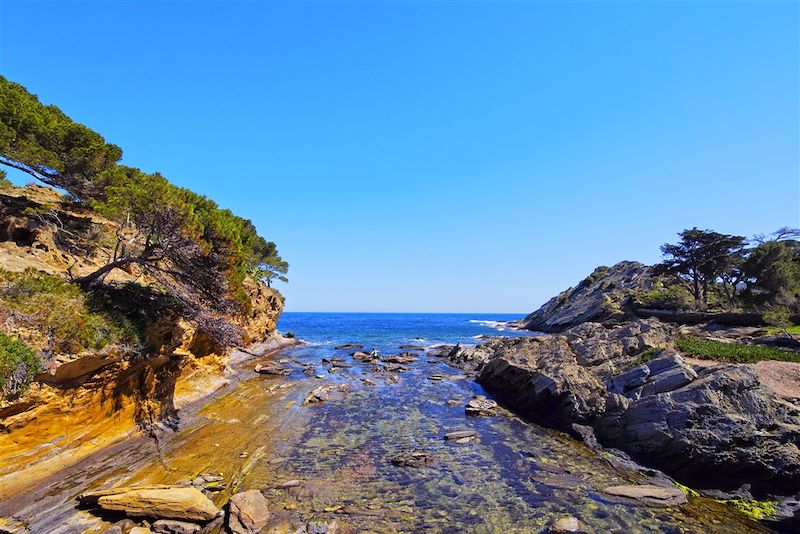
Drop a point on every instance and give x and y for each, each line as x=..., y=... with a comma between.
x=514, y=477
x=386, y=331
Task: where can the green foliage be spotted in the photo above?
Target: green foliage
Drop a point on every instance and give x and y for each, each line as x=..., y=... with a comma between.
x=733, y=352
x=5, y=183
x=200, y=253
x=66, y=319
x=643, y=357
x=42, y=141
x=755, y=510
x=665, y=297
x=700, y=258
x=592, y=278
x=14, y=354
x=772, y=270
x=793, y=330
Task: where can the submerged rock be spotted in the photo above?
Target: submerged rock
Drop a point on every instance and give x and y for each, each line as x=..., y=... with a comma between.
x=349, y=346
x=566, y=524
x=413, y=459
x=248, y=512
x=319, y=394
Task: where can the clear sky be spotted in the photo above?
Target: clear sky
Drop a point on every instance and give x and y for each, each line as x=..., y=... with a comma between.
x=412, y=156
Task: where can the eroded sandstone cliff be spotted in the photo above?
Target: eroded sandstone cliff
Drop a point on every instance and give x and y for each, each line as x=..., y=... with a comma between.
x=84, y=400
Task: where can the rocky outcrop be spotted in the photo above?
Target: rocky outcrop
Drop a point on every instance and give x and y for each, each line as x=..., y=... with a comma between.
x=715, y=426
x=724, y=420
x=598, y=298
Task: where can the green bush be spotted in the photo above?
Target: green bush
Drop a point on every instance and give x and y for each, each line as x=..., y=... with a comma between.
x=671, y=297
x=5, y=183
x=13, y=354
x=733, y=352
x=67, y=319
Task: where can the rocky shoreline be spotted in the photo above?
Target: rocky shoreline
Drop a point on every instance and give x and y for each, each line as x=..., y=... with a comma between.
x=720, y=428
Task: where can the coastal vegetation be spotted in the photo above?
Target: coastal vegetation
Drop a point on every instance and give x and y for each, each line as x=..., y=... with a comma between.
x=711, y=270
x=709, y=349
x=18, y=363
x=197, y=253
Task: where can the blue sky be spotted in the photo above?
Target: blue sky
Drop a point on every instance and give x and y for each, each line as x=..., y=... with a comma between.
x=410, y=156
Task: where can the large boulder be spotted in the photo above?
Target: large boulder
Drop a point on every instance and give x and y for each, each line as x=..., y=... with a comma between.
x=542, y=379
x=720, y=430
x=717, y=426
x=599, y=297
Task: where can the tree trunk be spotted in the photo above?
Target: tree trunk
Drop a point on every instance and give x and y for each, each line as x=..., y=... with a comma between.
x=96, y=278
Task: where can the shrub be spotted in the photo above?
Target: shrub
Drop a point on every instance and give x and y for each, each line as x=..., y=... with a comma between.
x=733, y=352
x=18, y=364
x=5, y=183
x=671, y=297
x=66, y=319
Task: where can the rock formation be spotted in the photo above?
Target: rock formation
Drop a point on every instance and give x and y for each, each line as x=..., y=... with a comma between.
x=714, y=426
x=600, y=297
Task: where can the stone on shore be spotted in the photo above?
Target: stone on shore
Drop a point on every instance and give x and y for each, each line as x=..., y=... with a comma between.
x=183, y=503
x=248, y=512
x=172, y=526
x=271, y=369
x=650, y=495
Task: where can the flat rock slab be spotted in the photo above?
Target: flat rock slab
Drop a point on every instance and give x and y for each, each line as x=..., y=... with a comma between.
x=171, y=526
x=461, y=436
x=480, y=405
x=171, y=503
x=349, y=346
x=271, y=369
x=649, y=494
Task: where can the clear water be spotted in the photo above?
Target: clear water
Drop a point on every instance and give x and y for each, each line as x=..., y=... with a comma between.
x=514, y=477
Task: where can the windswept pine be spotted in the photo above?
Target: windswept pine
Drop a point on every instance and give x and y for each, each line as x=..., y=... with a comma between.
x=199, y=253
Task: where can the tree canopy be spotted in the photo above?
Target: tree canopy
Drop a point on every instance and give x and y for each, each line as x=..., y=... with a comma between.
x=43, y=142
x=200, y=253
x=759, y=274
x=699, y=258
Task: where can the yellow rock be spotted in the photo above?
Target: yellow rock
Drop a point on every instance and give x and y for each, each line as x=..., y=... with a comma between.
x=169, y=503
